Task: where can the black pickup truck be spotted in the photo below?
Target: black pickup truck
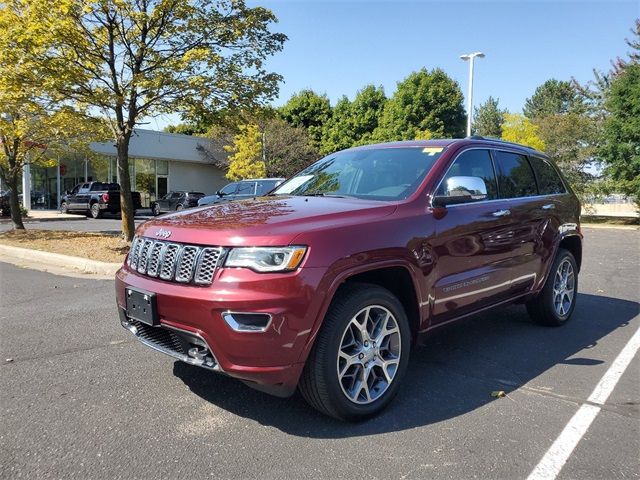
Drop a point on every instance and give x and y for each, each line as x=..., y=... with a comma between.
x=95, y=198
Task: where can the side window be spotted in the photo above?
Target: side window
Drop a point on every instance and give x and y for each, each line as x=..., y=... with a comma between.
x=84, y=188
x=246, y=188
x=75, y=189
x=229, y=189
x=549, y=181
x=176, y=195
x=473, y=163
x=515, y=175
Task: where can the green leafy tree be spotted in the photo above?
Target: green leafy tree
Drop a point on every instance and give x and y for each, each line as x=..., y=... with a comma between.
x=553, y=97
x=245, y=160
x=34, y=125
x=309, y=110
x=353, y=123
x=133, y=59
x=286, y=149
x=519, y=129
x=570, y=140
x=424, y=101
x=488, y=119
x=620, y=147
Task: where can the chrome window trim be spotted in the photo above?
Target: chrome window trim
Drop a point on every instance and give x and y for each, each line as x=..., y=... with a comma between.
x=493, y=161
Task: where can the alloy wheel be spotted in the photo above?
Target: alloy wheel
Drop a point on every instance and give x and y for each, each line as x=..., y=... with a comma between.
x=563, y=288
x=369, y=354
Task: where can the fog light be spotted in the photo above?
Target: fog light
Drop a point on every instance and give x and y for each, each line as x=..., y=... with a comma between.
x=247, y=322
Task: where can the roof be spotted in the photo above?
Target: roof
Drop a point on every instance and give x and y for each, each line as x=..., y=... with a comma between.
x=166, y=146
x=445, y=142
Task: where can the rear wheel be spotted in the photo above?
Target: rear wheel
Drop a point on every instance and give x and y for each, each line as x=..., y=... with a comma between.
x=95, y=210
x=360, y=355
x=557, y=300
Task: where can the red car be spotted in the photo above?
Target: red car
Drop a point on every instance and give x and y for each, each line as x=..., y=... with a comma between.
x=327, y=283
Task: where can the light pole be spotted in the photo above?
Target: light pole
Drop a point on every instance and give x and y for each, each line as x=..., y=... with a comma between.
x=471, y=57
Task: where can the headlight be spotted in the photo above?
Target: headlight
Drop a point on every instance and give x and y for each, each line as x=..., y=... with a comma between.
x=266, y=259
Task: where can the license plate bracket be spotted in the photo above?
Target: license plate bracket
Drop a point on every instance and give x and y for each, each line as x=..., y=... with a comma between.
x=141, y=306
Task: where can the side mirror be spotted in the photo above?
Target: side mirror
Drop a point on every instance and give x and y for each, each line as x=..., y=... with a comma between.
x=220, y=194
x=460, y=189
x=67, y=192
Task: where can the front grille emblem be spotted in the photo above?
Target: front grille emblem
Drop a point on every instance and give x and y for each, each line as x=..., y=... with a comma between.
x=163, y=233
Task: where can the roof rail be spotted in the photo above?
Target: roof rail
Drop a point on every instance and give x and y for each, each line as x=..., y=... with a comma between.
x=494, y=139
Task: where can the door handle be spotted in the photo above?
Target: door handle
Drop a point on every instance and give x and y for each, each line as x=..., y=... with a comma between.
x=549, y=206
x=501, y=213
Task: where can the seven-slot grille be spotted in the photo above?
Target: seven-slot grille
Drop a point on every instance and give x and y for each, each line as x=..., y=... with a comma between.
x=174, y=261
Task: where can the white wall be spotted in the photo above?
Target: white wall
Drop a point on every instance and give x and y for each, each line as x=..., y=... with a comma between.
x=195, y=177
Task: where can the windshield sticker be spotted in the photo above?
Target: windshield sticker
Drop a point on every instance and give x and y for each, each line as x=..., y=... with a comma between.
x=432, y=150
x=294, y=183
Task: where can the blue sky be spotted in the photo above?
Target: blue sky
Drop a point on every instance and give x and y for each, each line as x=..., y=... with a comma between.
x=337, y=47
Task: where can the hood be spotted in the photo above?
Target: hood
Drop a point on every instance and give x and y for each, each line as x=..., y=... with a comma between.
x=262, y=221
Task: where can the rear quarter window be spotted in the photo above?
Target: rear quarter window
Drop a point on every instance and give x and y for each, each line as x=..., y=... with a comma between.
x=549, y=182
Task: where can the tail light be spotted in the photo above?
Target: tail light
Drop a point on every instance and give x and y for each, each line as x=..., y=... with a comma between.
x=105, y=197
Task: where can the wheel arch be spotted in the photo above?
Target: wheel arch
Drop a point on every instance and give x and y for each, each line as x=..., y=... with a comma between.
x=573, y=243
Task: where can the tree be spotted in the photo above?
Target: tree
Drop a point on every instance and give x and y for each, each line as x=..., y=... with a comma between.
x=132, y=59
x=570, y=140
x=519, y=129
x=488, y=119
x=353, y=123
x=620, y=148
x=286, y=149
x=309, y=110
x=245, y=160
x=553, y=97
x=425, y=100
x=33, y=124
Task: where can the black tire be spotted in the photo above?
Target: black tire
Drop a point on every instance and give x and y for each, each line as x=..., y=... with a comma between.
x=319, y=383
x=64, y=208
x=155, y=210
x=94, y=210
x=179, y=207
x=542, y=308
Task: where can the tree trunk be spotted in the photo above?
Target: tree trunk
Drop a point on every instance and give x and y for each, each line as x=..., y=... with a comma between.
x=126, y=200
x=12, y=180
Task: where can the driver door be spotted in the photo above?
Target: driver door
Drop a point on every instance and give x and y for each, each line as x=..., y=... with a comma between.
x=473, y=243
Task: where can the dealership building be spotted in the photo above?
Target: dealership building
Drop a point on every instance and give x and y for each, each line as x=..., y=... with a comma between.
x=158, y=162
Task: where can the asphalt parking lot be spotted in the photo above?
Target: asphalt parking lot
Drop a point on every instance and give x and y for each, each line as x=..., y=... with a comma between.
x=82, y=399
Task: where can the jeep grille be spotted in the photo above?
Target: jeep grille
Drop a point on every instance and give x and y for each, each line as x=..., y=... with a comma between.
x=174, y=261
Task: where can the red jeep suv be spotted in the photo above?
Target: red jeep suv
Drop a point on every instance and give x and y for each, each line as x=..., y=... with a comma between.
x=328, y=282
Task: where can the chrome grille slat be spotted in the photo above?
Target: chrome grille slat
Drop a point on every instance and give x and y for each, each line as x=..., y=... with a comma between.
x=186, y=263
x=143, y=258
x=155, y=258
x=207, y=264
x=174, y=262
x=169, y=261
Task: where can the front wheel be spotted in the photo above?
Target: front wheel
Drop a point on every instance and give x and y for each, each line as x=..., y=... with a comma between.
x=555, y=303
x=155, y=210
x=179, y=207
x=360, y=355
x=64, y=207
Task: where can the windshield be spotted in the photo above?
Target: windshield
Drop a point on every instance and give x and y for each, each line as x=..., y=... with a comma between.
x=376, y=174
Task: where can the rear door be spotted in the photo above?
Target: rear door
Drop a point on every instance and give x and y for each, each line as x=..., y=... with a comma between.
x=245, y=190
x=81, y=198
x=517, y=185
x=473, y=243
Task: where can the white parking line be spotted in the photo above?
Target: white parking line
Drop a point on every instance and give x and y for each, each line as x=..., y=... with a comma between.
x=555, y=458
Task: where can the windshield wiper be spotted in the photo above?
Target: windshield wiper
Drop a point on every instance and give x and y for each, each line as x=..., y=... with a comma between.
x=318, y=194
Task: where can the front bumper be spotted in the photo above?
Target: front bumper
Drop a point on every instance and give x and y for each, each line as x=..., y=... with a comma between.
x=270, y=360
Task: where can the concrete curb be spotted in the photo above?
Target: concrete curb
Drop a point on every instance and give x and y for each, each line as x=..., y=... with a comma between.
x=49, y=259
x=45, y=219
x=603, y=226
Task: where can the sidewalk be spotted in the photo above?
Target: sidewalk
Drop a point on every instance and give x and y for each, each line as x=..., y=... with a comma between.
x=46, y=216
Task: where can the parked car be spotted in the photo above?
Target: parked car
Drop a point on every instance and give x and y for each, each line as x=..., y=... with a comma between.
x=175, y=200
x=95, y=198
x=240, y=190
x=5, y=208
x=5, y=202
x=330, y=281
